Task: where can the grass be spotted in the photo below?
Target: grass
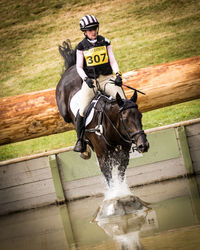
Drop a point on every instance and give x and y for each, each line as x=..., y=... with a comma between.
x=172, y=114
x=142, y=33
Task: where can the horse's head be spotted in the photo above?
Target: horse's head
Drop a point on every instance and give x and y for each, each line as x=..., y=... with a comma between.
x=131, y=122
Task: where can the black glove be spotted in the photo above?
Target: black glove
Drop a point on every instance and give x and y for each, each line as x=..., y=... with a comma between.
x=118, y=80
x=89, y=82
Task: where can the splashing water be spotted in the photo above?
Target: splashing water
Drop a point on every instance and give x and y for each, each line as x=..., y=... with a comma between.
x=118, y=187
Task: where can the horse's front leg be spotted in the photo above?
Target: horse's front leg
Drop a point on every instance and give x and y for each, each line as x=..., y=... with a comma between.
x=113, y=165
x=106, y=168
x=122, y=157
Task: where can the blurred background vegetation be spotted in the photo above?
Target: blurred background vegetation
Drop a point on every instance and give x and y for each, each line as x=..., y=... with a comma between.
x=142, y=32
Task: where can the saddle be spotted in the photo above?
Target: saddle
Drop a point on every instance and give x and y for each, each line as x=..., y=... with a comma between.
x=89, y=111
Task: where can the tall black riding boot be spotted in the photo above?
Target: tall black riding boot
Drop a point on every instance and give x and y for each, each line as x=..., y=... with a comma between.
x=79, y=125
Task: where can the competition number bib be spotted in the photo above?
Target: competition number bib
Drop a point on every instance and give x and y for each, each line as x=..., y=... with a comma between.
x=96, y=56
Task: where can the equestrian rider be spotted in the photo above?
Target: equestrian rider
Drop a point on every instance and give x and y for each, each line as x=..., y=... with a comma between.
x=95, y=63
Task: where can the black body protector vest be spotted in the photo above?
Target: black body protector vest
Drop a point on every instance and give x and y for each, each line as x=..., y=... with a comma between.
x=96, y=60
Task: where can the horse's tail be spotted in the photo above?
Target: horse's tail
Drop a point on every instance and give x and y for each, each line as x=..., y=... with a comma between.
x=68, y=53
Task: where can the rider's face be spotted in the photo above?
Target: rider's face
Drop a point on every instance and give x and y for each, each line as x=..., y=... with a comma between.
x=91, y=34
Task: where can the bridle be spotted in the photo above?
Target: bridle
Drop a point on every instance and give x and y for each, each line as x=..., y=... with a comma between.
x=99, y=128
x=132, y=137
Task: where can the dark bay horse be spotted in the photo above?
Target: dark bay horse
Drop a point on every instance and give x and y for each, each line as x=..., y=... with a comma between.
x=115, y=126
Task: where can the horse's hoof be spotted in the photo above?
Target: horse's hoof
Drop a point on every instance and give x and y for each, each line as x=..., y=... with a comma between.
x=87, y=154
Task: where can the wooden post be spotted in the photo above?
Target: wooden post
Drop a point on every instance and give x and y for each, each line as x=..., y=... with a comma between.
x=35, y=114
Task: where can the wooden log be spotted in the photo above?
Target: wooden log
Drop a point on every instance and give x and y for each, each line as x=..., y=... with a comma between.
x=35, y=114
x=166, y=84
x=29, y=116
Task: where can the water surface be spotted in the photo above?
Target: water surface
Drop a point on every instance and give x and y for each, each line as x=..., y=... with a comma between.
x=171, y=222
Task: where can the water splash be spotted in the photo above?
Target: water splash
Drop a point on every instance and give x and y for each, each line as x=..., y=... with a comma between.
x=118, y=187
x=129, y=241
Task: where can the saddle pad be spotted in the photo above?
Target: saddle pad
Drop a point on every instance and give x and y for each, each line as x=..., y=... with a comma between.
x=74, y=106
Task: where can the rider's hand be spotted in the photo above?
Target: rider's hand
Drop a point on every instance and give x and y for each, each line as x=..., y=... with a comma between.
x=89, y=82
x=118, y=79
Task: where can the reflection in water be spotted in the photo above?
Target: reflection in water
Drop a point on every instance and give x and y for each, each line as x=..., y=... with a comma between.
x=124, y=218
x=134, y=223
x=172, y=221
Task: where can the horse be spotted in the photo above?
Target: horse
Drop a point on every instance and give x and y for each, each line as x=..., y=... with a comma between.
x=116, y=124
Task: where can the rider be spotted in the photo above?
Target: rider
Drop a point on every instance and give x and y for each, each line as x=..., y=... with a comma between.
x=95, y=63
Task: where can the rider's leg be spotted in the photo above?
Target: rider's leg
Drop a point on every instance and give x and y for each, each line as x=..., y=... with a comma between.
x=110, y=88
x=86, y=96
x=79, y=126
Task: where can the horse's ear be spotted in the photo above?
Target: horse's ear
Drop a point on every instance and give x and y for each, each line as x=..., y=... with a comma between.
x=134, y=97
x=120, y=102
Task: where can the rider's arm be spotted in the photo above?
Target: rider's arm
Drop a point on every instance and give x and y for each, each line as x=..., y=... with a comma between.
x=79, y=64
x=113, y=62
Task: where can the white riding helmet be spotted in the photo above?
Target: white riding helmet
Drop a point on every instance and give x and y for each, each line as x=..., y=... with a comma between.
x=88, y=22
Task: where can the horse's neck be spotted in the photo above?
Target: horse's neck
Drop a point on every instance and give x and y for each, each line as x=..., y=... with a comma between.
x=112, y=111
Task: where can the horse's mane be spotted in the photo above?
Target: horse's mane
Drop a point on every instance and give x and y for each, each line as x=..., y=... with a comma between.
x=68, y=53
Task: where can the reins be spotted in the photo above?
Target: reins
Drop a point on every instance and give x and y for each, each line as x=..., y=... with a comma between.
x=114, y=127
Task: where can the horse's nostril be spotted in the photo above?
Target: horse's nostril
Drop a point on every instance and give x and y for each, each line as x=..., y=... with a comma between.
x=143, y=147
x=140, y=148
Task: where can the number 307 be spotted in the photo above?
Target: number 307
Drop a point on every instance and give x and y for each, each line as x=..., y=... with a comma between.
x=96, y=58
